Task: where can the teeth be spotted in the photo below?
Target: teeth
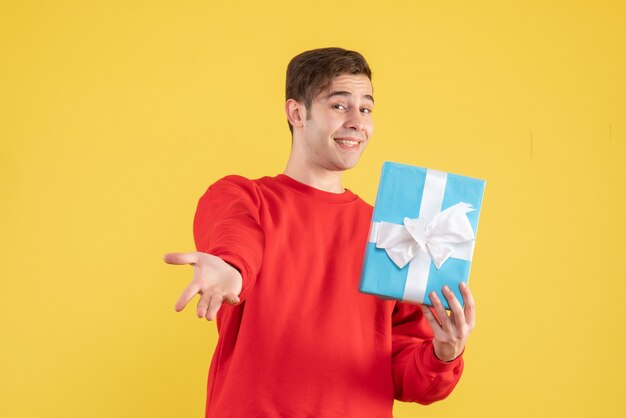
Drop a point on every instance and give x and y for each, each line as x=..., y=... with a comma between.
x=347, y=142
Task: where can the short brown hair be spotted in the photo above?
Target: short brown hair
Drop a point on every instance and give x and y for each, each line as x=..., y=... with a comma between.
x=312, y=71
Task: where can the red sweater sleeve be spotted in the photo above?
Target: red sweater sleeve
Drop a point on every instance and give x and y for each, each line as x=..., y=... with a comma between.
x=418, y=375
x=227, y=225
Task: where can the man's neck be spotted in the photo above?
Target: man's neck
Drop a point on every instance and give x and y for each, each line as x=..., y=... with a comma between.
x=322, y=179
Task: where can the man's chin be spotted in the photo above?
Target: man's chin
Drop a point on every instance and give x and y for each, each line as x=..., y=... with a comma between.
x=346, y=165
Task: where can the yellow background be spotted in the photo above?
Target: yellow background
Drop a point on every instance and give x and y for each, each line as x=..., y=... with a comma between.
x=115, y=117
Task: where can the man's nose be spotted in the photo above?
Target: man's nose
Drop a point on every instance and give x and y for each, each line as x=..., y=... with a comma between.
x=354, y=119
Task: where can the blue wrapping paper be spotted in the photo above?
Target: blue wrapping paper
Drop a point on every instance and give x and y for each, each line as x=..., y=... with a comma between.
x=409, y=195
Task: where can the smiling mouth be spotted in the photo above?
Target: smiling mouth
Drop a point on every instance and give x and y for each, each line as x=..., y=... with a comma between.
x=348, y=142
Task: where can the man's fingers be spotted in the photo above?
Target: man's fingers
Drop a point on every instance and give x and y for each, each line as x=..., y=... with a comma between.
x=232, y=299
x=430, y=317
x=458, y=316
x=203, y=305
x=214, y=306
x=189, y=292
x=470, y=306
x=181, y=258
x=442, y=315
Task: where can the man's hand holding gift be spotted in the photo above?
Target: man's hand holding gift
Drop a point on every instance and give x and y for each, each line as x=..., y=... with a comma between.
x=451, y=331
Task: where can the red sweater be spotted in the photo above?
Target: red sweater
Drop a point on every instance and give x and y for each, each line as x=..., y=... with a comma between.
x=304, y=342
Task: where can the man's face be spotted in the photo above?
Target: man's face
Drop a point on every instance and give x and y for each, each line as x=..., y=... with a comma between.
x=339, y=123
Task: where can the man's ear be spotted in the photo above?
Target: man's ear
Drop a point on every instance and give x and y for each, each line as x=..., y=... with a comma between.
x=296, y=112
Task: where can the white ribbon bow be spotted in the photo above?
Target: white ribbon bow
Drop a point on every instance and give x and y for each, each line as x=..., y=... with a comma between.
x=437, y=236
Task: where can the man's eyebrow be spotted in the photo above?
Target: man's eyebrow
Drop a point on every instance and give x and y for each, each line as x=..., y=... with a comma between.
x=347, y=94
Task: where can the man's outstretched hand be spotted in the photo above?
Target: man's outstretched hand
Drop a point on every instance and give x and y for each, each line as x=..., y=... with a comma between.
x=215, y=280
x=451, y=332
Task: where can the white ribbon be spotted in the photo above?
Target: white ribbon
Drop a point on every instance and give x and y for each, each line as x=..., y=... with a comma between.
x=436, y=236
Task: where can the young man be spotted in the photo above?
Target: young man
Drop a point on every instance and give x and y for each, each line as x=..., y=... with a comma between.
x=280, y=259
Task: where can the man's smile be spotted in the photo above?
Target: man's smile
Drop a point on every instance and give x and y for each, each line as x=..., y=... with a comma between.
x=348, y=144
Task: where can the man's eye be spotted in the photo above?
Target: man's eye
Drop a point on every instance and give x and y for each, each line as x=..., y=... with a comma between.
x=366, y=110
x=338, y=106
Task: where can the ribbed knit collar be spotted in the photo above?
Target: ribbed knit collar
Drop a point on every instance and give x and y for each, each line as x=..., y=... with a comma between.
x=317, y=194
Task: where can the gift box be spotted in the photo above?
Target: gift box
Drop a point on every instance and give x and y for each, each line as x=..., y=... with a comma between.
x=422, y=233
